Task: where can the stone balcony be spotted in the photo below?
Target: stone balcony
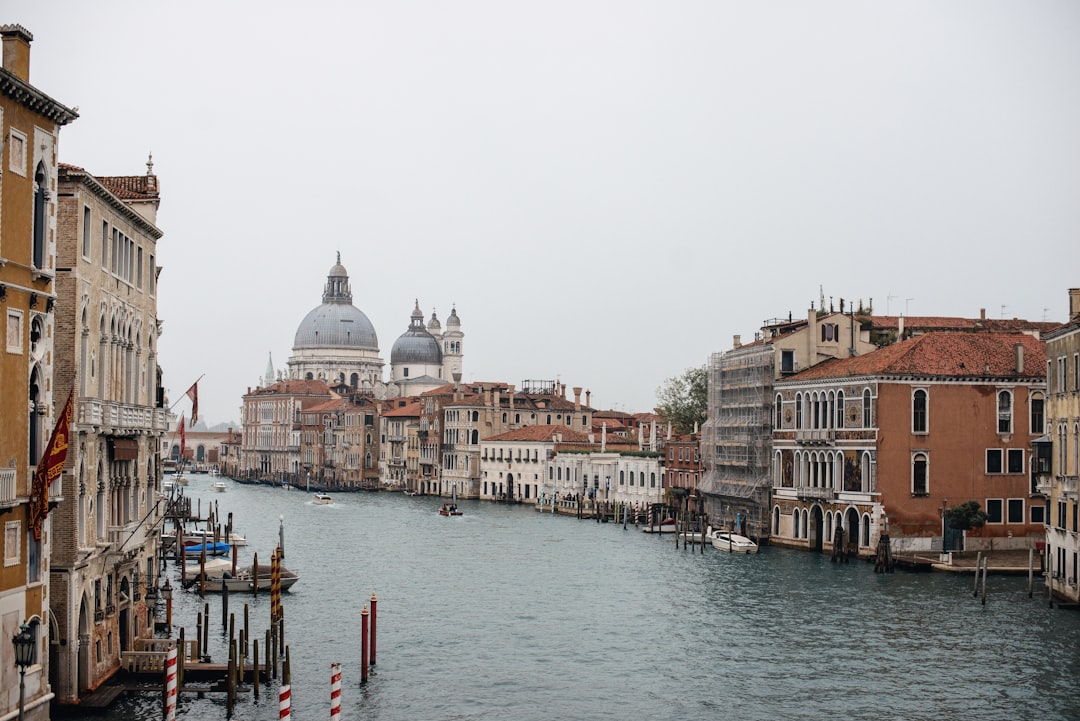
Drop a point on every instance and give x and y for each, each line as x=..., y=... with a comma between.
x=117, y=416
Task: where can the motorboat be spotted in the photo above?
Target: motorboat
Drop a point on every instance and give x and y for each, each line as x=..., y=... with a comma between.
x=196, y=548
x=668, y=525
x=199, y=535
x=322, y=499
x=181, y=479
x=244, y=580
x=731, y=542
x=449, y=509
x=219, y=486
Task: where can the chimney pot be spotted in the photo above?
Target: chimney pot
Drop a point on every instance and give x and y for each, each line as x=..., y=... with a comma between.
x=737, y=341
x=16, y=48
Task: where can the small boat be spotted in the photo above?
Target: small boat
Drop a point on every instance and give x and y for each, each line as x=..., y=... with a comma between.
x=244, y=581
x=449, y=509
x=731, y=542
x=322, y=499
x=213, y=471
x=199, y=535
x=181, y=480
x=212, y=549
x=219, y=486
x=667, y=525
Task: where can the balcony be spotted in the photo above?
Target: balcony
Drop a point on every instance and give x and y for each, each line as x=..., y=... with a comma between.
x=809, y=493
x=120, y=416
x=119, y=535
x=8, y=495
x=815, y=435
x=1068, y=485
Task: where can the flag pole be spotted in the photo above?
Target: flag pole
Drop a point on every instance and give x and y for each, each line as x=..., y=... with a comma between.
x=195, y=383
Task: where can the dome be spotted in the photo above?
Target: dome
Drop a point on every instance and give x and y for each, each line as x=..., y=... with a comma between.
x=453, y=321
x=336, y=325
x=416, y=345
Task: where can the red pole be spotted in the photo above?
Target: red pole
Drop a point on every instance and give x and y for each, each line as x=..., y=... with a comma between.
x=364, y=644
x=374, y=605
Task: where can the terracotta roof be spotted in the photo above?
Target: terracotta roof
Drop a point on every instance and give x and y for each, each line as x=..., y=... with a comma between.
x=294, y=387
x=410, y=409
x=542, y=433
x=131, y=187
x=938, y=323
x=333, y=404
x=956, y=355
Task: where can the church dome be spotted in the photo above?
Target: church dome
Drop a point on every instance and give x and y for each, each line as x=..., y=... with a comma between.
x=337, y=323
x=416, y=345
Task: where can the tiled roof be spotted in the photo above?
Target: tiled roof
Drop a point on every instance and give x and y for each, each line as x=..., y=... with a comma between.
x=131, y=187
x=542, y=433
x=938, y=323
x=955, y=355
x=408, y=410
x=295, y=387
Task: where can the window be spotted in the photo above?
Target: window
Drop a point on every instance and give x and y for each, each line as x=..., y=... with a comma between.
x=830, y=332
x=1062, y=386
x=1004, y=424
x=1015, y=508
x=17, y=154
x=138, y=269
x=840, y=409
x=41, y=197
x=1038, y=514
x=920, y=478
x=866, y=415
x=14, y=331
x=798, y=410
x=1015, y=460
x=778, y=422
x=787, y=361
x=86, y=231
x=918, y=412
x=993, y=460
x=1038, y=422
x=104, y=244
x=12, y=533
x=993, y=510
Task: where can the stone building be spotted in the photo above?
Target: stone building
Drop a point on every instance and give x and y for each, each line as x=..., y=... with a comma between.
x=33, y=389
x=104, y=554
x=1059, y=480
x=891, y=440
x=271, y=440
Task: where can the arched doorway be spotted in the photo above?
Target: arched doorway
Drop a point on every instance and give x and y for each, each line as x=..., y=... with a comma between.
x=851, y=526
x=125, y=620
x=83, y=673
x=509, y=487
x=817, y=534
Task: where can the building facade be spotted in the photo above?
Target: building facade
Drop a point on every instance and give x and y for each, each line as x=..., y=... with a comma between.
x=890, y=441
x=31, y=395
x=271, y=441
x=104, y=554
x=1063, y=431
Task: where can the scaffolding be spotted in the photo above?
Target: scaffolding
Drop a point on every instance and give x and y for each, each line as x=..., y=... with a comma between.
x=738, y=438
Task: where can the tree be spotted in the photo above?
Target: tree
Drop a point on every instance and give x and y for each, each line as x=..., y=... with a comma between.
x=683, y=400
x=966, y=516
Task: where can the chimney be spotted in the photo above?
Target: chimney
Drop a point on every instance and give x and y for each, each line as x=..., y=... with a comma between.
x=588, y=399
x=900, y=329
x=736, y=342
x=577, y=398
x=811, y=337
x=511, y=389
x=982, y=313
x=603, y=438
x=1019, y=348
x=16, y=41
x=1074, y=303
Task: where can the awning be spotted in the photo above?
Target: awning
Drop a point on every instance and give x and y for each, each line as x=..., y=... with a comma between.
x=124, y=449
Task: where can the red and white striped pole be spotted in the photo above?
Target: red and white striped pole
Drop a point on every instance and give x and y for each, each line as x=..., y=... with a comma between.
x=284, y=702
x=170, y=684
x=335, y=692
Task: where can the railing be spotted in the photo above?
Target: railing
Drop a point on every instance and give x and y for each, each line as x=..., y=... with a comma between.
x=815, y=435
x=818, y=493
x=110, y=414
x=7, y=486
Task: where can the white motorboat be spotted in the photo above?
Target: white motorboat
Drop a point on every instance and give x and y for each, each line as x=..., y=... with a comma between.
x=244, y=580
x=181, y=480
x=322, y=499
x=219, y=486
x=668, y=525
x=201, y=534
x=731, y=542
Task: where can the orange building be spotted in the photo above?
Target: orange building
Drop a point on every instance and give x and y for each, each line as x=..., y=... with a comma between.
x=890, y=440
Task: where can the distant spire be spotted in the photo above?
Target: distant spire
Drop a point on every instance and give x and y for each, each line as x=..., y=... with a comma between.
x=269, y=368
x=150, y=164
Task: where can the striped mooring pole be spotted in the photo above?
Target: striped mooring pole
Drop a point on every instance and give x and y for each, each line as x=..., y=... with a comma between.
x=284, y=702
x=170, y=684
x=335, y=692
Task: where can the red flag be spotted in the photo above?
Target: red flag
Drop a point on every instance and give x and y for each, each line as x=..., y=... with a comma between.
x=193, y=394
x=49, y=468
x=183, y=437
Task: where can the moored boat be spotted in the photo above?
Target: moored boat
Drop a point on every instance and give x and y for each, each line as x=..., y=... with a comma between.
x=731, y=542
x=244, y=580
x=212, y=549
x=667, y=525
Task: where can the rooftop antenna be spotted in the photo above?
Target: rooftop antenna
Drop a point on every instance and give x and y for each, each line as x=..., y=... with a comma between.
x=1003, y=307
x=888, y=303
x=1046, y=311
x=906, y=302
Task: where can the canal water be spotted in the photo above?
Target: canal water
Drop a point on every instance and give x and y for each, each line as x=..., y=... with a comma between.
x=504, y=613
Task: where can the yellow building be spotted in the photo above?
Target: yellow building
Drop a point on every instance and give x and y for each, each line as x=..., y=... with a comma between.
x=30, y=123
x=1063, y=429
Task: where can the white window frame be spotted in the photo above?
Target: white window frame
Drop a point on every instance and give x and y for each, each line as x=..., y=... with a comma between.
x=17, y=146
x=12, y=543
x=13, y=331
x=1001, y=502
x=1001, y=461
x=926, y=412
x=1023, y=511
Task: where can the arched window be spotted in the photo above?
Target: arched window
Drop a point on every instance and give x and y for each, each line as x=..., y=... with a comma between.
x=795, y=517
x=920, y=474
x=919, y=411
x=41, y=197
x=866, y=414
x=798, y=410
x=840, y=409
x=815, y=413
x=776, y=520
x=1004, y=411
x=778, y=422
x=1038, y=416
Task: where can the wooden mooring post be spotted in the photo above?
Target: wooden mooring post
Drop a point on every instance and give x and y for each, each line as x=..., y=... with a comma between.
x=374, y=615
x=255, y=667
x=978, y=567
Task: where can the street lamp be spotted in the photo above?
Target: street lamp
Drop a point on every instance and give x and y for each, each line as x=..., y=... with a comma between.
x=166, y=593
x=24, y=656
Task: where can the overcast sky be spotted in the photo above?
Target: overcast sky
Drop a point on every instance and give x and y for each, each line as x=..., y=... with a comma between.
x=608, y=191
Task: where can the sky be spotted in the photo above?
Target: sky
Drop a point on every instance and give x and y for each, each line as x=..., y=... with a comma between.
x=607, y=192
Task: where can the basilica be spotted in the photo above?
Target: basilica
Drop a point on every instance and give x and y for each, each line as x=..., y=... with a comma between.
x=336, y=343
